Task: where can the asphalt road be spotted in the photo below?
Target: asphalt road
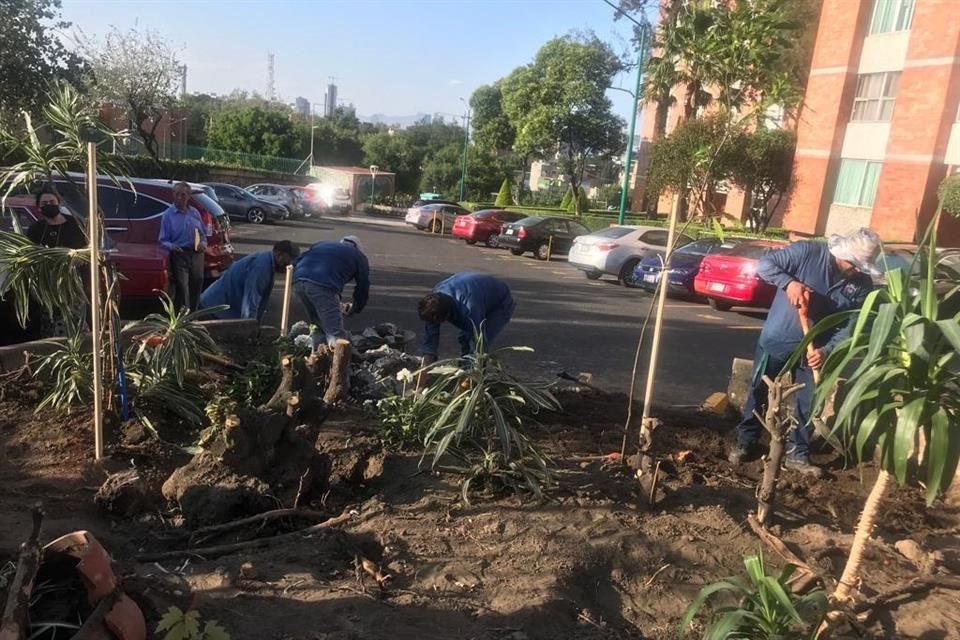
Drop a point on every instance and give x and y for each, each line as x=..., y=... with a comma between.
x=573, y=324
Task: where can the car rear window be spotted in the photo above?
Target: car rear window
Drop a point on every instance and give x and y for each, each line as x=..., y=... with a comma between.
x=485, y=214
x=614, y=232
x=750, y=250
x=529, y=222
x=211, y=205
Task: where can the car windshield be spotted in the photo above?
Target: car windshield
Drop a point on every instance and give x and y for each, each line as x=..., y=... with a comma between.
x=751, y=250
x=700, y=248
x=613, y=232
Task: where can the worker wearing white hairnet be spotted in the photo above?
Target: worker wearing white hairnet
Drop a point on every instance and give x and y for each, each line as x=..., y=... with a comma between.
x=825, y=278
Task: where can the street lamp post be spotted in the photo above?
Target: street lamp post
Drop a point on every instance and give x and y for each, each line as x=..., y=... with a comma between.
x=373, y=181
x=641, y=55
x=466, y=143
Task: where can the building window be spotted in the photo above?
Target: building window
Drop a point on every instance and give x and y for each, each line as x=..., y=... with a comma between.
x=891, y=15
x=857, y=183
x=876, y=93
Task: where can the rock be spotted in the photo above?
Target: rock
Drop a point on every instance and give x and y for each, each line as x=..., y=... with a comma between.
x=133, y=433
x=209, y=493
x=386, y=329
x=248, y=571
x=125, y=494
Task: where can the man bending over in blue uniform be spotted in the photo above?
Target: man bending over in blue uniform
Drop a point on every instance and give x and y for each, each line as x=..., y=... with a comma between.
x=245, y=287
x=472, y=302
x=829, y=277
x=319, y=277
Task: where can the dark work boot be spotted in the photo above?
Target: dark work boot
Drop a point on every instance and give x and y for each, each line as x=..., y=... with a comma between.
x=743, y=453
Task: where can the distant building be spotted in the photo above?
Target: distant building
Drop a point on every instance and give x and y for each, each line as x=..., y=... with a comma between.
x=330, y=101
x=302, y=106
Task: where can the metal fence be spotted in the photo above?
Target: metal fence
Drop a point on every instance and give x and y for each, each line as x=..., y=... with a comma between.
x=177, y=151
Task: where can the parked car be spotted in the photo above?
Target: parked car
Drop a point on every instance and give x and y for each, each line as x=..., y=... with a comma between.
x=132, y=212
x=280, y=194
x=484, y=225
x=730, y=278
x=434, y=217
x=143, y=267
x=243, y=205
x=684, y=265
x=309, y=199
x=544, y=236
x=330, y=198
x=617, y=250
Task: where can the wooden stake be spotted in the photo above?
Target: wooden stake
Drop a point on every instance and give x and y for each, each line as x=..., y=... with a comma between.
x=94, y=233
x=287, y=287
x=549, y=247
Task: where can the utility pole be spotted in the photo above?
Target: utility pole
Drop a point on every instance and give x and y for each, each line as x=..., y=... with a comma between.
x=641, y=63
x=466, y=143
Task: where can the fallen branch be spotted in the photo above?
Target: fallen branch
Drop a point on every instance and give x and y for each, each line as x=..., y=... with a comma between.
x=13, y=625
x=261, y=518
x=220, y=360
x=914, y=586
x=782, y=550
x=259, y=543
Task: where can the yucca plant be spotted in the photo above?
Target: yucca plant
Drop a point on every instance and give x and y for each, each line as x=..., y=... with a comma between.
x=51, y=276
x=475, y=415
x=68, y=370
x=901, y=401
x=766, y=609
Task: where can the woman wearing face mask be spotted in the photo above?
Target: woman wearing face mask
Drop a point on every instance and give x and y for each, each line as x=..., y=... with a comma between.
x=54, y=229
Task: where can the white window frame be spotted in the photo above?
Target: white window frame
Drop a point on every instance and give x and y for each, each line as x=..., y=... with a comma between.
x=874, y=105
x=902, y=16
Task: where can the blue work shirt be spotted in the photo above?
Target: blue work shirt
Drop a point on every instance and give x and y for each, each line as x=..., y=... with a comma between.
x=811, y=264
x=480, y=302
x=332, y=265
x=245, y=286
x=177, y=229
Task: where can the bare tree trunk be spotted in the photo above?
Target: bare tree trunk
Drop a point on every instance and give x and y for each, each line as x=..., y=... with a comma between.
x=864, y=528
x=777, y=422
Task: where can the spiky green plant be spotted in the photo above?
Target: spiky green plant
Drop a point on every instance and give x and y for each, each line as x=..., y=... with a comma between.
x=177, y=624
x=68, y=371
x=51, y=276
x=476, y=412
x=766, y=609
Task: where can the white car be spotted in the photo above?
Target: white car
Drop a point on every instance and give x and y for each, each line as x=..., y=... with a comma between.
x=617, y=250
x=434, y=217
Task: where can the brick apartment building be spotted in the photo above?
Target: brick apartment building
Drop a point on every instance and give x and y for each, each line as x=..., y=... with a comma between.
x=879, y=127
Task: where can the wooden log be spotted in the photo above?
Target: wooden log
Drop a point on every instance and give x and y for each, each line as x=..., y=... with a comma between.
x=279, y=399
x=15, y=621
x=339, y=382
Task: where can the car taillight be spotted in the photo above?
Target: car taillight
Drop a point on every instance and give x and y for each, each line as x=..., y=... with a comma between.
x=704, y=266
x=207, y=220
x=522, y=232
x=606, y=246
x=748, y=271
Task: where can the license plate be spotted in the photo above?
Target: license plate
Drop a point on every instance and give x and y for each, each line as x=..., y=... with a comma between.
x=509, y=232
x=651, y=277
x=717, y=286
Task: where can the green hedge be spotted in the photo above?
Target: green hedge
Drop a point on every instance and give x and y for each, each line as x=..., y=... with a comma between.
x=949, y=193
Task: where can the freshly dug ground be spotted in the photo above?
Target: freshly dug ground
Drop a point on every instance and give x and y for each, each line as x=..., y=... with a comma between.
x=595, y=562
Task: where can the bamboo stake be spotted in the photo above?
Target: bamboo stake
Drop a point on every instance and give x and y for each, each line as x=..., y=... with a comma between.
x=287, y=287
x=549, y=247
x=94, y=228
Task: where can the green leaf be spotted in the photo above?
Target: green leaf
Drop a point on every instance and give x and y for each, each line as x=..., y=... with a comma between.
x=213, y=631
x=943, y=454
x=905, y=438
x=727, y=584
x=950, y=328
x=879, y=336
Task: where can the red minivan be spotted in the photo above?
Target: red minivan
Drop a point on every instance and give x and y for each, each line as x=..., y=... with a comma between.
x=132, y=215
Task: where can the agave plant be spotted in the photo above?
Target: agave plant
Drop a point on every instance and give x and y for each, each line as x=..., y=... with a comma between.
x=68, y=370
x=766, y=609
x=475, y=415
x=901, y=401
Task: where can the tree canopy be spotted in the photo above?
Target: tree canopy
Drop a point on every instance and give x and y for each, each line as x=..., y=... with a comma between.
x=255, y=130
x=32, y=56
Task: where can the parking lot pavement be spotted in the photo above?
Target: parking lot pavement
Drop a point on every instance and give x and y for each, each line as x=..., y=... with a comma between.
x=574, y=324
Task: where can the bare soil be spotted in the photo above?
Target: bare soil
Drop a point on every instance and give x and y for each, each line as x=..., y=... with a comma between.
x=595, y=562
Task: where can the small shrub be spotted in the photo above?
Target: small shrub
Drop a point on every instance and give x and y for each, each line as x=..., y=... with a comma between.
x=949, y=194
x=766, y=610
x=567, y=200
x=503, y=197
x=69, y=369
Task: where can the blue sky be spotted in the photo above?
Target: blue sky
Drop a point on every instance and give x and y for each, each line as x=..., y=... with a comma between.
x=397, y=57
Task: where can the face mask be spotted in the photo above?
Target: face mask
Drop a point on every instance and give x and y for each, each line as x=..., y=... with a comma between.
x=50, y=210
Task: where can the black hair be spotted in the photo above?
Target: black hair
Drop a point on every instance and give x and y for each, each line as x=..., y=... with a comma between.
x=47, y=191
x=287, y=247
x=435, y=308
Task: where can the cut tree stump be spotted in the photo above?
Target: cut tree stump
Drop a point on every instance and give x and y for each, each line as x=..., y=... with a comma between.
x=16, y=613
x=339, y=382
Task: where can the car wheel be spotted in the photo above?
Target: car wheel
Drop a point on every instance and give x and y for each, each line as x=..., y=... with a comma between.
x=516, y=252
x=493, y=240
x=471, y=242
x=542, y=252
x=435, y=226
x=255, y=215
x=626, y=274
x=592, y=275
x=717, y=305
